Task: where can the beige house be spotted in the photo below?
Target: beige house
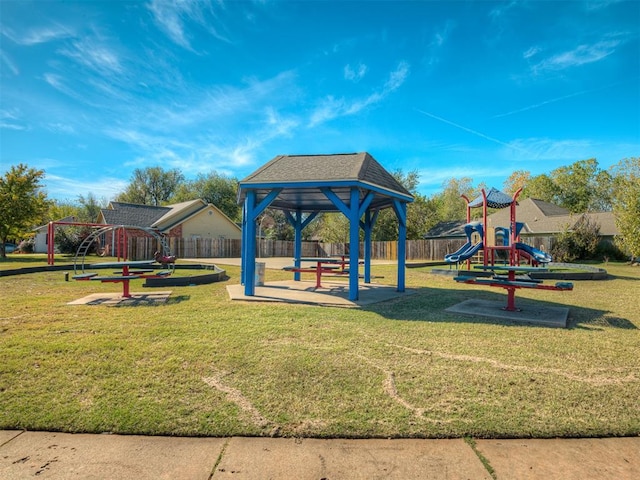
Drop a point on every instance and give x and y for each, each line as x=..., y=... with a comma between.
x=542, y=218
x=191, y=220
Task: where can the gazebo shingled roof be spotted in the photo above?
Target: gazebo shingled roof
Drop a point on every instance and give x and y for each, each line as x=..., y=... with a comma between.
x=301, y=178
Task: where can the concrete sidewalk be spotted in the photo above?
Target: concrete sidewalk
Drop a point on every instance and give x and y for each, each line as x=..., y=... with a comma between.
x=62, y=456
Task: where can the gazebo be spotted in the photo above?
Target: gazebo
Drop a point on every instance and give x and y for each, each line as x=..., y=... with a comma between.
x=302, y=186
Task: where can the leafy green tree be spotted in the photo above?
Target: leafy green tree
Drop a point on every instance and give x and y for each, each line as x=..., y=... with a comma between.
x=151, y=186
x=219, y=190
x=626, y=204
x=90, y=208
x=577, y=188
x=62, y=209
x=516, y=180
x=23, y=204
x=386, y=226
x=335, y=228
x=451, y=206
x=540, y=187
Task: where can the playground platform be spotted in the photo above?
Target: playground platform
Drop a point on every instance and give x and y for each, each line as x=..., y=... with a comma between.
x=530, y=312
x=332, y=293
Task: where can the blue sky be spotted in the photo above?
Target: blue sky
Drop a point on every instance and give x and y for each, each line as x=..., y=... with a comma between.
x=91, y=90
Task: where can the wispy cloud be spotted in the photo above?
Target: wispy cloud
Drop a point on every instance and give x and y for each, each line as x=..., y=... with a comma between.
x=581, y=55
x=35, y=36
x=71, y=187
x=600, y=4
x=61, y=128
x=502, y=9
x=331, y=107
x=94, y=55
x=355, y=74
x=543, y=149
x=9, y=63
x=532, y=51
x=173, y=16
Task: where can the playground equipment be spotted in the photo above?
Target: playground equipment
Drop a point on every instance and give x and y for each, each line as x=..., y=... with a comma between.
x=470, y=248
x=502, y=243
x=511, y=276
x=128, y=270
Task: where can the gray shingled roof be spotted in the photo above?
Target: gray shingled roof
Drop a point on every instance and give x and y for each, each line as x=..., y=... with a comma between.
x=132, y=214
x=302, y=176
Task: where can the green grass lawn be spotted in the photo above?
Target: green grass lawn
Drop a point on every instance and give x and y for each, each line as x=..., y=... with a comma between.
x=204, y=365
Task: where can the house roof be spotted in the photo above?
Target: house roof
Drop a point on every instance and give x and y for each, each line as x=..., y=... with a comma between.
x=160, y=218
x=541, y=217
x=120, y=213
x=302, y=179
x=446, y=229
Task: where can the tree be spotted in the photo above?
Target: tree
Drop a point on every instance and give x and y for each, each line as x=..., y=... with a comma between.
x=22, y=203
x=576, y=186
x=516, y=180
x=540, y=187
x=151, y=186
x=451, y=205
x=626, y=204
x=214, y=188
x=90, y=208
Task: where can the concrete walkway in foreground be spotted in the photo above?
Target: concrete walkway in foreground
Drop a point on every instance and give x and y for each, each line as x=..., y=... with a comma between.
x=47, y=455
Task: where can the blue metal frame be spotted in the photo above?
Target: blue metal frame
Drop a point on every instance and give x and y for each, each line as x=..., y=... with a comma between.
x=354, y=210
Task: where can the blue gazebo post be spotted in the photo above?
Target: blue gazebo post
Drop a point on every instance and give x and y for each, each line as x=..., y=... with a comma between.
x=354, y=243
x=249, y=244
x=298, y=226
x=367, y=226
x=401, y=212
x=250, y=215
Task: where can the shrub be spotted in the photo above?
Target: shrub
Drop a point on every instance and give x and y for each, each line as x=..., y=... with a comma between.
x=69, y=239
x=580, y=242
x=26, y=246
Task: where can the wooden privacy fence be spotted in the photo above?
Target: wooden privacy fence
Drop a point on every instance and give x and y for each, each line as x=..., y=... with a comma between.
x=431, y=250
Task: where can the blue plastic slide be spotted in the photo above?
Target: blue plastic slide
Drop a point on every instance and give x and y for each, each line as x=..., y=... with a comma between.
x=538, y=255
x=468, y=250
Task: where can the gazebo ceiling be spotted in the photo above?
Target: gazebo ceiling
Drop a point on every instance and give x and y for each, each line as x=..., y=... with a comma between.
x=302, y=180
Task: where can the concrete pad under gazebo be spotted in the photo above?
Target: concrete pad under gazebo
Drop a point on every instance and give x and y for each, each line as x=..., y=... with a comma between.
x=302, y=186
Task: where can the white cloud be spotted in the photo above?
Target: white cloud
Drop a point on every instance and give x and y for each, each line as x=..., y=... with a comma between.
x=61, y=128
x=542, y=149
x=532, y=51
x=581, y=55
x=9, y=63
x=172, y=17
x=95, y=56
x=331, y=107
x=66, y=188
x=35, y=36
x=355, y=74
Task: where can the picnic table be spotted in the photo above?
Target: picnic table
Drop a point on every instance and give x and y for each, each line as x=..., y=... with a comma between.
x=128, y=270
x=510, y=277
x=322, y=265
